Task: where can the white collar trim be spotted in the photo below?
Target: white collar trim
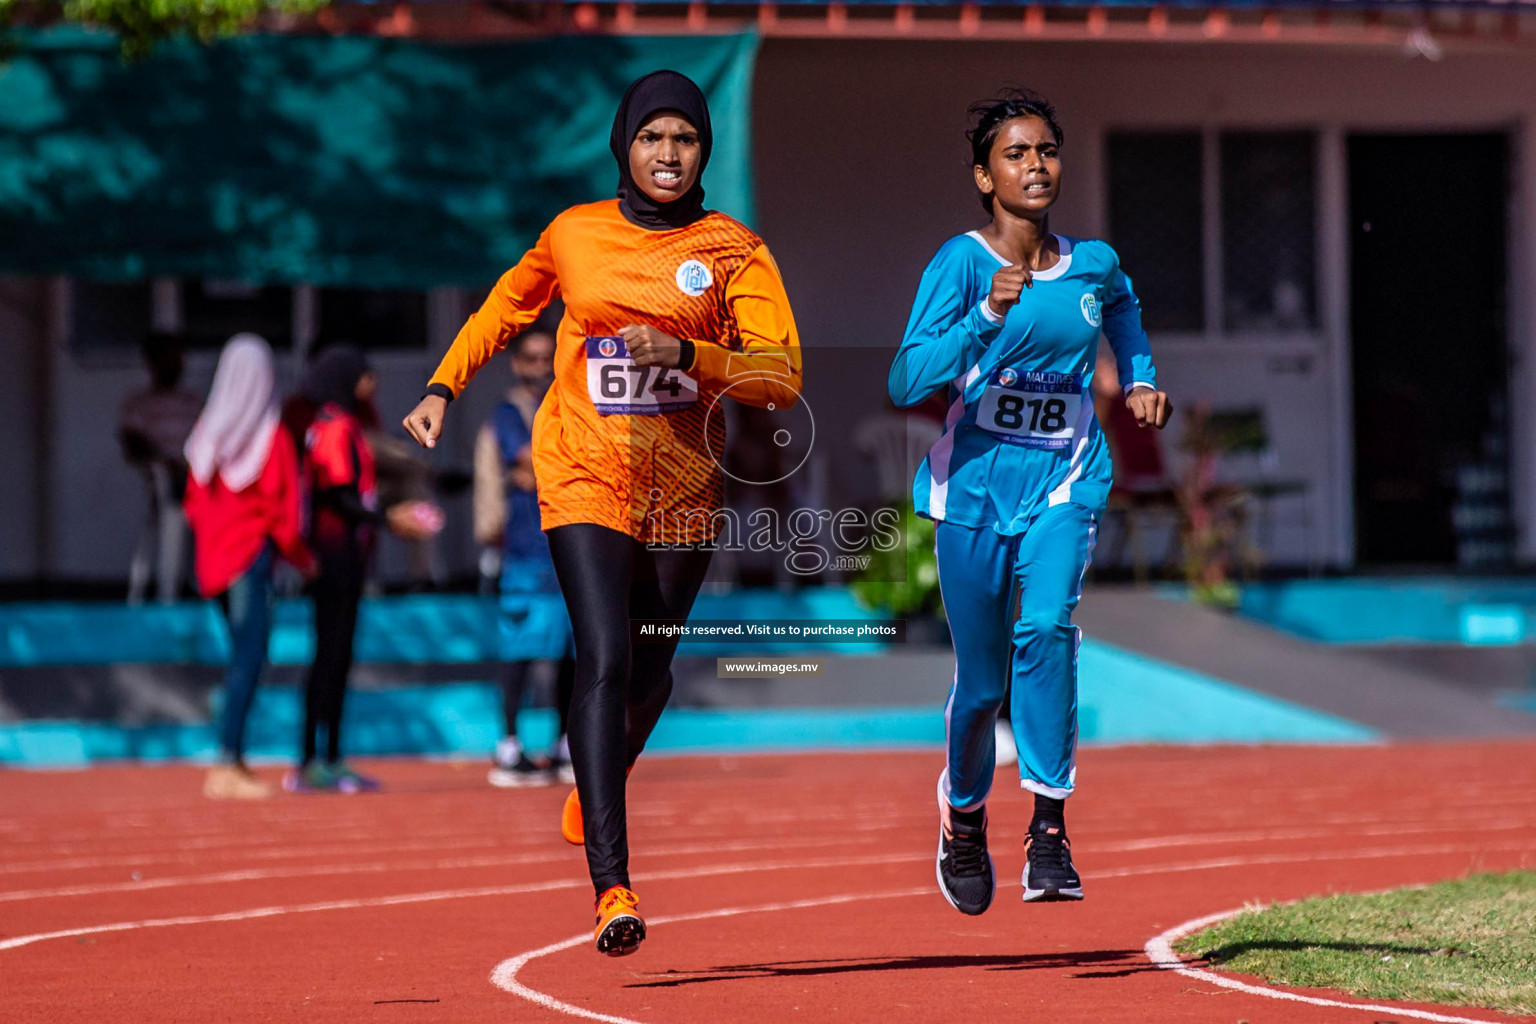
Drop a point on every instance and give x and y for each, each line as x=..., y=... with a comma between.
x=1064, y=244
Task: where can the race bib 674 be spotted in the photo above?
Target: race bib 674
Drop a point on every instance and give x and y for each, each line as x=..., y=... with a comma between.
x=618, y=387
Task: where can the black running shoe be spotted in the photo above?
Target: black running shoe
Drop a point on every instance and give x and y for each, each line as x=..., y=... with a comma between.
x=518, y=774
x=964, y=868
x=1048, y=871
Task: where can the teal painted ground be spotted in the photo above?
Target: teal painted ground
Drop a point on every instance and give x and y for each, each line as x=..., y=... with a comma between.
x=1521, y=702
x=416, y=629
x=461, y=628
x=1124, y=698
x=1398, y=611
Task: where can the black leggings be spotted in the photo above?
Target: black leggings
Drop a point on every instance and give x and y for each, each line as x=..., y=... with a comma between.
x=608, y=578
x=337, y=591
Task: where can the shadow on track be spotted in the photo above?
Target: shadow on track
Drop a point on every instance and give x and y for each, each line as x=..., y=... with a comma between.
x=1120, y=961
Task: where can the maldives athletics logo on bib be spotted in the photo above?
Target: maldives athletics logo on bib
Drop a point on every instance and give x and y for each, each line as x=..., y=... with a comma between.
x=694, y=278
x=1092, y=311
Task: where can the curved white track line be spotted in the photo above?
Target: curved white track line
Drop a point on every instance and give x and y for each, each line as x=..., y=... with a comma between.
x=1159, y=950
x=696, y=872
x=504, y=974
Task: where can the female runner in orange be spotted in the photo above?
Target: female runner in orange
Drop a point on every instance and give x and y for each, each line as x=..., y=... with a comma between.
x=667, y=306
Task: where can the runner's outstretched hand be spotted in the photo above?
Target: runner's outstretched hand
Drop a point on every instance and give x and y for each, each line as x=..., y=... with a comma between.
x=425, y=422
x=1151, y=408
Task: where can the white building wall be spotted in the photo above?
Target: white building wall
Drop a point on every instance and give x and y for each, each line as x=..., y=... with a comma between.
x=867, y=135
x=95, y=503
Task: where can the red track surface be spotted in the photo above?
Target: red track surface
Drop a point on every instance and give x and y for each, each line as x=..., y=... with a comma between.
x=1161, y=835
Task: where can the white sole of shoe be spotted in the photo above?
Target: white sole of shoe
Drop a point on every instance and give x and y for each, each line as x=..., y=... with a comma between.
x=501, y=778
x=1049, y=895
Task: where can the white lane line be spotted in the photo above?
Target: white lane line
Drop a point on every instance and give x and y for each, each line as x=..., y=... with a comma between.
x=147, y=858
x=1285, y=834
x=282, y=846
x=261, y=874
x=1262, y=859
x=328, y=870
x=303, y=908
x=365, y=844
x=177, y=833
x=257, y=836
x=336, y=870
x=1159, y=950
x=279, y=853
x=504, y=975
x=449, y=894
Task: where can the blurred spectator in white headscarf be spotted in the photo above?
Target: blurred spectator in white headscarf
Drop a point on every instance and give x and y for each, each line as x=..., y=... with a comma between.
x=243, y=502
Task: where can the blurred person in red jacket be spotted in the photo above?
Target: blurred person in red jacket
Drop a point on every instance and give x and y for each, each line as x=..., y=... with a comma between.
x=345, y=517
x=243, y=504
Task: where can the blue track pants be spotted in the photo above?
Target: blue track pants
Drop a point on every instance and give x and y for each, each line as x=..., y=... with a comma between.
x=1010, y=601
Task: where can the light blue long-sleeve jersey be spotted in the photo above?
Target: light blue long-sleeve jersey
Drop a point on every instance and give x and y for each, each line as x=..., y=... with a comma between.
x=1020, y=435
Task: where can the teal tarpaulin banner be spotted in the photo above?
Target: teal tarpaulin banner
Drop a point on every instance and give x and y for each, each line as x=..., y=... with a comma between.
x=353, y=162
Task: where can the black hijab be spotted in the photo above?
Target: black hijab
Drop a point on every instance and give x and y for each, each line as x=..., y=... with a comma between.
x=648, y=95
x=334, y=376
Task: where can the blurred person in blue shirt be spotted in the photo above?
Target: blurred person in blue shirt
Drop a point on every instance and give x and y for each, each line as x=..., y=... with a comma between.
x=533, y=627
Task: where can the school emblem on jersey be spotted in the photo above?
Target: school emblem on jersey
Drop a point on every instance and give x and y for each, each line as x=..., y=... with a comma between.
x=694, y=278
x=1006, y=376
x=1092, y=312
x=608, y=347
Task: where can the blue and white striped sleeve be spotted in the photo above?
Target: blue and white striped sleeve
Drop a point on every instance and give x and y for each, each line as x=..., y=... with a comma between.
x=950, y=326
x=1122, y=326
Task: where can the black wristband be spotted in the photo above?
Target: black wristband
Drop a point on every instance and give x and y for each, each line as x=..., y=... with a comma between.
x=686, y=355
x=442, y=391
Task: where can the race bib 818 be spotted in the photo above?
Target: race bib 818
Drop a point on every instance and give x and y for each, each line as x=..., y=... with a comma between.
x=618, y=387
x=1033, y=409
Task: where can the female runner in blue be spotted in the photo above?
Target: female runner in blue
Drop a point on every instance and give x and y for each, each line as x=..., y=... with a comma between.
x=1008, y=319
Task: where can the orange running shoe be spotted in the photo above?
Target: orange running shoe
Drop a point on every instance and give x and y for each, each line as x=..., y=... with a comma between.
x=620, y=929
x=570, y=820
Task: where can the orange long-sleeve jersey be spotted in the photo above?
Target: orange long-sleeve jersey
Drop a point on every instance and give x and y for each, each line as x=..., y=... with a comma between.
x=629, y=447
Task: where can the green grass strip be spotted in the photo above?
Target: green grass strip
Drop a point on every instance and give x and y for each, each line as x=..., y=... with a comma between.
x=1469, y=942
